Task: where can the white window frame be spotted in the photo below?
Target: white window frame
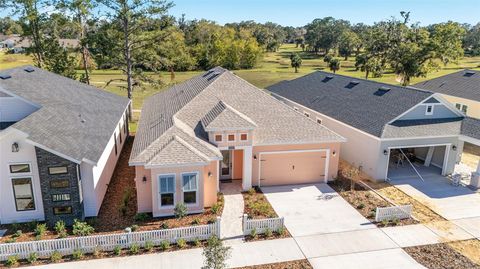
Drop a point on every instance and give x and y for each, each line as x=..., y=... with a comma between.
x=431, y=111
x=234, y=138
x=319, y=119
x=215, y=138
x=458, y=106
x=160, y=191
x=241, y=136
x=197, y=190
x=20, y=173
x=306, y=114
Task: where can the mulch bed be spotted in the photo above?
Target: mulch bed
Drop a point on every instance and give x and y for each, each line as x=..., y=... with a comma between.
x=440, y=256
x=298, y=264
x=363, y=200
x=256, y=205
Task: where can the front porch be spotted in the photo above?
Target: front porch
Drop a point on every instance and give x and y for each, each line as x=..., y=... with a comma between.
x=236, y=166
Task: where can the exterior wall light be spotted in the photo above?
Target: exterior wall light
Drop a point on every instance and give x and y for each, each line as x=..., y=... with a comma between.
x=454, y=148
x=209, y=174
x=334, y=153
x=385, y=152
x=255, y=156
x=144, y=179
x=15, y=147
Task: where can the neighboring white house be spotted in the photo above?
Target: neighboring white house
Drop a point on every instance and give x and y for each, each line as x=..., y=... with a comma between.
x=59, y=141
x=387, y=127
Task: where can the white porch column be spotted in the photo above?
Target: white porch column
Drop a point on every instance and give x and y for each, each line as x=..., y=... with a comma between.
x=478, y=167
x=247, y=168
x=428, y=158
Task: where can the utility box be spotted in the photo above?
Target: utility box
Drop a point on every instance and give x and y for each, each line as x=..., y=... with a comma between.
x=475, y=180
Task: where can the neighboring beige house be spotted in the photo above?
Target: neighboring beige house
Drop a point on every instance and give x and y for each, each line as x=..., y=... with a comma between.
x=461, y=88
x=387, y=127
x=218, y=127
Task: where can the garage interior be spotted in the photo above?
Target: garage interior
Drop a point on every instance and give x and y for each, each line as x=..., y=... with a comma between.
x=416, y=162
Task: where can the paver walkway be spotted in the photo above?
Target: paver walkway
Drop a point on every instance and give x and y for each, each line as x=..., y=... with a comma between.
x=231, y=226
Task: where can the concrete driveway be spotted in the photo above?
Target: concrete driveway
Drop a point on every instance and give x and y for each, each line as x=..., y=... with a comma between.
x=437, y=193
x=314, y=209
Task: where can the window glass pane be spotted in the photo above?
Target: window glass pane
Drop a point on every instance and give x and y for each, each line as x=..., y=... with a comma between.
x=23, y=194
x=167, y=184
x=166, y=199
x=189, y=182
x=57, y=170
x=20, y=168
x=190, y=197
x=64, y=183
x=218, y=138
x=61, y=197
x=62, y=210
x=243, y=137
x=458, y=106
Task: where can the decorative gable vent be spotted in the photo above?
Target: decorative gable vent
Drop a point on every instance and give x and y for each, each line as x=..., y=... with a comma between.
x=5, y=76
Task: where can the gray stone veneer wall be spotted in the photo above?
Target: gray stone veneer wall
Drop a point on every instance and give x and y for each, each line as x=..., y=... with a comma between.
x=45, y=160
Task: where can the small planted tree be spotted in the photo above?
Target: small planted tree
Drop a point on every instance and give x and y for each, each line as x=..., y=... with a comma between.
x=180, y=210
x=215, y=254
x=334, y=65
x=295, y=61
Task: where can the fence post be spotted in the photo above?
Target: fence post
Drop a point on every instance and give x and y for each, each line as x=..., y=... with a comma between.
x=218, y=224
x=245, y=219
x=376, y=214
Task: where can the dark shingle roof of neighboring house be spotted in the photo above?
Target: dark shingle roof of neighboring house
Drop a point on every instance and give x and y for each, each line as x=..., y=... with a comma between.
x=72, y=118
x=364, y=104
x=464, y=84
x=424, y=127
x=471, y=127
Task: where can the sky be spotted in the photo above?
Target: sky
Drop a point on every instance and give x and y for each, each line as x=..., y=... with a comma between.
x=301, y=12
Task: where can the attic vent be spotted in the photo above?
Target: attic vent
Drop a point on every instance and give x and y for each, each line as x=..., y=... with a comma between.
x=469, y=73
x=29, y=69
x=213, y=76
x=208, y=73
x=327, y=78
x=381, y=91
x=5, y=76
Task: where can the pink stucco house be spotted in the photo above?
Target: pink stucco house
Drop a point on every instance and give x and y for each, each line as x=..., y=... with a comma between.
x=216, y=127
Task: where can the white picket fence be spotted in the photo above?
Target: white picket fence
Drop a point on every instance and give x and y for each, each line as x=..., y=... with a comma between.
x=107, y=242
x=260, y=225
x=393, y=212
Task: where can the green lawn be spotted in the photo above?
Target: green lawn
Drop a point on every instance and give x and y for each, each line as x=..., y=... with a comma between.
x=274, y=67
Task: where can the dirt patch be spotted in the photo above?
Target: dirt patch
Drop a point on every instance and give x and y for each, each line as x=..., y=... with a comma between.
x=469, y=248
x=256, y=205
x=298, y=264
x=471, y=156
x=362, y=199
x=440, y=256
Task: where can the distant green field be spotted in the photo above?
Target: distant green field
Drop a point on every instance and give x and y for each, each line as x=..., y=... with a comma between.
x=274, y=67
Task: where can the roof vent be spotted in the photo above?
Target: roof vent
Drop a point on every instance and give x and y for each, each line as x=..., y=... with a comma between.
x=208, y=73
x=469, y=73
x=29, y=69
x=352, y=84
x=5, y=76
x=381, y=91
x=384, y=89
x=213, y=76
x=327, y=78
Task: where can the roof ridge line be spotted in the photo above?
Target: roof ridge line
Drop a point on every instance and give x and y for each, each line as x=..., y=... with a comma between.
x=243, y=116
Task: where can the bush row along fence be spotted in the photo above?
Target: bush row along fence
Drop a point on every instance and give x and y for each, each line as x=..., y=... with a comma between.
x=107, y=242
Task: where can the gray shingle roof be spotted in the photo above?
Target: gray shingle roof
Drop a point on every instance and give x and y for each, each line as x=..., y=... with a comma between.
x=73, y=118
x=471, y=127
x=421, y=128
x=464, y=84
x=223, y=117
x=276, y=123
x=366, y=105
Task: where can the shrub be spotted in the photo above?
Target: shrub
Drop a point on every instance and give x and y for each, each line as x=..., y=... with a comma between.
x=32, y=225
x=395, y=221
x=15, y=226
x=181, y=243
x=196, y=221
x=134, y=249
x=11, y=240
x=268, y=232
x=148, y=246
x=251, y=191
x=77, y=254
x=12, y=261
x=32, y=258
x=141, y=217
x=281, y=231
x=97, y=252
x=385, y=222
x=117, y=250
x=82, y=228
x=134, y=227
x=56, y=257
x=18, y=233
x=215, y=208
x=180, y=210
x=371, y=215
x=164, y=225
x=40, y=230
x=253, y=233
x=260, y=208
x=361, y=206
x=127, y=196
x=164, y=245
x=60, y=229
x=197, y=242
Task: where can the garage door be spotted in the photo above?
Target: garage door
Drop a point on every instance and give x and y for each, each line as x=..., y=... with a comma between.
x=292, y=168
